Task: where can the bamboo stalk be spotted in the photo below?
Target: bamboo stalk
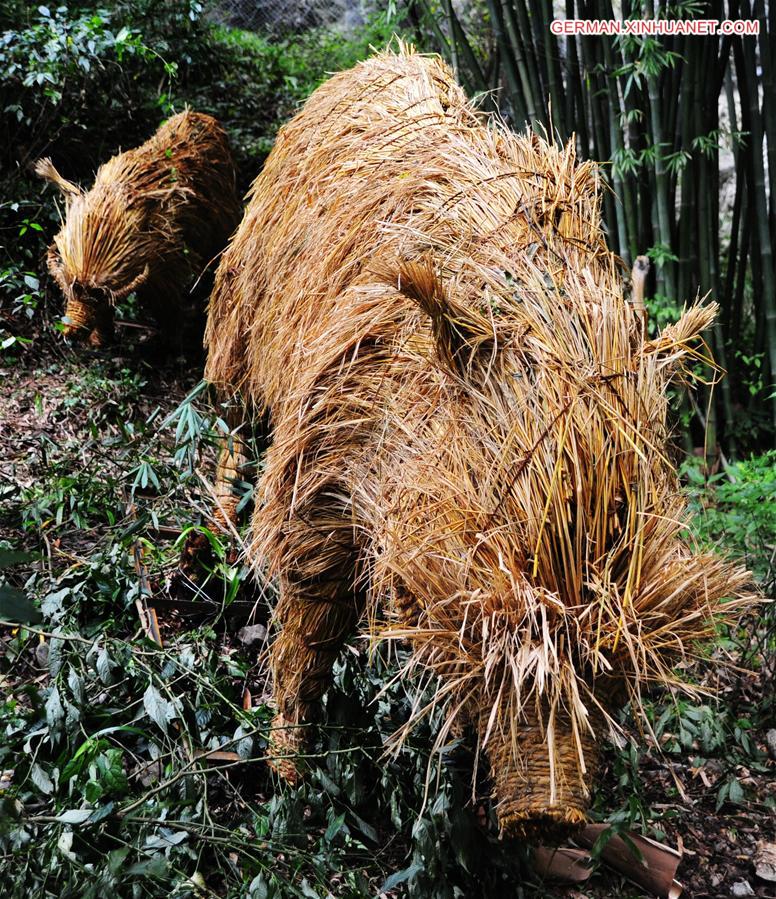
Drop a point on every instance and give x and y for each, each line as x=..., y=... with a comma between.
x=623, y=214
x=739, y=214
x=519, y=108
x=737, y=313
x=525, y=67
x=739, y=208
x=448, y=7
x=686, y=231
x=552, y=66
x=602, y=150
x=574, y=80
x=526, y=10
x=768, y=62
x=477, y=78
x=705, y=225
x=665, y=272
x=527, y=28
x=747, y=74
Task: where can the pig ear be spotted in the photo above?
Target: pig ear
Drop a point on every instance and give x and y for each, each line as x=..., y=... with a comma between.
x=44, y=168
x=460, y=333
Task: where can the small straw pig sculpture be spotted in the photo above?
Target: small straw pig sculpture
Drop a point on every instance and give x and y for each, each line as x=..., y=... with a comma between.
x=468, y=430
x=153, y=219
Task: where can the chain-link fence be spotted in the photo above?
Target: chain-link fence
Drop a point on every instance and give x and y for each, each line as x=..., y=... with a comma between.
x=288, y=16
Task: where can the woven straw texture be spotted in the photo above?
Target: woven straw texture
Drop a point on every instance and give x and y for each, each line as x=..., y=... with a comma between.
x=154, y=218
x=469, y=429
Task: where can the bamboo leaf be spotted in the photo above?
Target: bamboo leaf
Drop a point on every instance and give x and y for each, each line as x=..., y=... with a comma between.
x=16, y=606
x=158, y=708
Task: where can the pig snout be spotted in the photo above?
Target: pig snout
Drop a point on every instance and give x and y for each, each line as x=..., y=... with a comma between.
x=87, y=318
x=542, y=773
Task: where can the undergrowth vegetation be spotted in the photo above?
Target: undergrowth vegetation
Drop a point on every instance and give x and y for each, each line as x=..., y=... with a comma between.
x=134, y=769
x=82, y=81
x=132, y=766
x=138, y=769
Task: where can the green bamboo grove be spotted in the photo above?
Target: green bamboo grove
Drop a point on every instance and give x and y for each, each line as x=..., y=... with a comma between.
x=685, y=127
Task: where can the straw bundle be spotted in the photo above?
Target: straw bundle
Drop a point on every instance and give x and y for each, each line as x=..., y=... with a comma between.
x=153, y=219
x=469, y=428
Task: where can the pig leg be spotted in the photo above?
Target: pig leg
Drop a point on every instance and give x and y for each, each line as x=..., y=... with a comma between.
x=318, y=610
x=103, y=331
x=232, y=461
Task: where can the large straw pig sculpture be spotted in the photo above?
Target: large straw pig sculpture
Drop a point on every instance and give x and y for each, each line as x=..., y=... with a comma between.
x=154, y=218
x=469, y=429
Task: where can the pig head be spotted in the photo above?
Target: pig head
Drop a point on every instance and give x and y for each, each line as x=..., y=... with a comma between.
x=94, y=259
x=89, y=303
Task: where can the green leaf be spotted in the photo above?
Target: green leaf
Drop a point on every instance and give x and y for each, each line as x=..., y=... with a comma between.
x=79, y=761
x=257, y=888
x=104, y=665
x=327, y=783
x=52, y=605
x=401, y=877
x=15, y=606
x=76, y=684
x=366, y=829
x=55, y=656
x=41, y=780
x=65, y=845
x=75, y=815
x=736, y=791
x=110, y=768
x=9, y=557
x=54, y=710
x=116, y=857
x=165, y=838
x=158, y=708
x=334, y=828
x=153, y=867
x=600, y=844
x=102, y=812
x=93, y=792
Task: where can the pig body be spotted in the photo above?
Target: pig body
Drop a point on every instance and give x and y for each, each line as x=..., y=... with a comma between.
x=154, y=218
x=468, y=427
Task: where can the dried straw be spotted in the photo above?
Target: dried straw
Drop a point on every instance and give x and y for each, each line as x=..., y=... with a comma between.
x=469, y=445
x=155, y=216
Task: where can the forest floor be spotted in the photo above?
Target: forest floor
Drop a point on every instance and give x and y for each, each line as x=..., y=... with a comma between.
x=76, y=430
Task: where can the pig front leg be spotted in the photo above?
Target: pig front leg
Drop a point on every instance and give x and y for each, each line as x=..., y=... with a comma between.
x=316, y=614
x=232, y=462
x=232, y=465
